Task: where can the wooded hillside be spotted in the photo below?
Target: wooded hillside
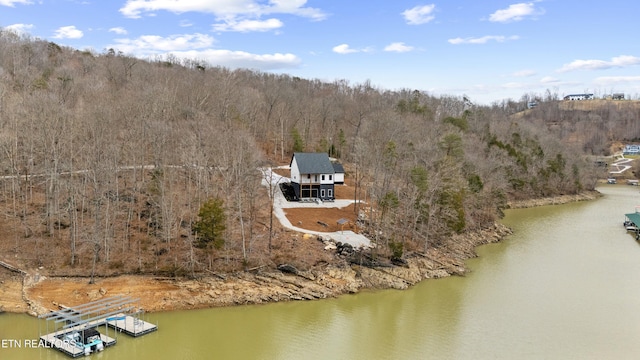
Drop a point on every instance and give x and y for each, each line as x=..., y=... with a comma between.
x=108, y=159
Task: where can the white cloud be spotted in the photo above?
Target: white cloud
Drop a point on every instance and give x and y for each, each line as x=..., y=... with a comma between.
x=68, y=32
x=135, y=8
x=549, y=80
x=20, y=28
x=616, y=62
x=482, y=40
x=617, y=79
x=398, y=47
x=524, y=73
x=242, y=59
x=223, y=9
x=118, y=30
x=343, y=49
x=515, y=12
x=249, y=25
x=153, y=44
x=11, y=3
x=419, y=14
x=197, y=47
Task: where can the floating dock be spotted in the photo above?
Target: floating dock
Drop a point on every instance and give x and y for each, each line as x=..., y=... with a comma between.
x=76, y=329
x=131, y=325
x=632, y=222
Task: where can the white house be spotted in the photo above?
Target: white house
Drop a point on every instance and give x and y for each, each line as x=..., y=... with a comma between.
x=631, y=150
x=313, y=176
x=579, y=97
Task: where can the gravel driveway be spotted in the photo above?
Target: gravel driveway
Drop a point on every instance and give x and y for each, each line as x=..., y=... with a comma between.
x=280, y=203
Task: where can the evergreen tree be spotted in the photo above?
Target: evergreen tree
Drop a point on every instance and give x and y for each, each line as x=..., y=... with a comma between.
x=298, y=144
x=209, y=229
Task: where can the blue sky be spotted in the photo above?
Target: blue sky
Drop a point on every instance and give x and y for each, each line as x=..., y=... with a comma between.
x=488, y=50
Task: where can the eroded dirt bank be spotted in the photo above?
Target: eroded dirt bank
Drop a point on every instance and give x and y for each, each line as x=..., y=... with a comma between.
x=41, y=294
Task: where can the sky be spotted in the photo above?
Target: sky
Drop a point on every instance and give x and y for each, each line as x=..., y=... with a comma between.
x=486, y=50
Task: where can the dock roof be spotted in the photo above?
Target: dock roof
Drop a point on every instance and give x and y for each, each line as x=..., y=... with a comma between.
x=89, y=312
x=634, y=218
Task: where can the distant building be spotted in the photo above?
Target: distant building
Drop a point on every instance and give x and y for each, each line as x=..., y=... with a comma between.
x=531, y=104
x=617, y=96
x=573, y=97
x=631, y=150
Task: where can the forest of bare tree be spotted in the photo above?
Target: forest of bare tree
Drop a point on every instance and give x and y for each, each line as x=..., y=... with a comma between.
x=107, y=159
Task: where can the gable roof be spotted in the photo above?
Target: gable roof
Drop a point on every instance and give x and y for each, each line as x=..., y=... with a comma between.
x=338, y=168
x=313, y=163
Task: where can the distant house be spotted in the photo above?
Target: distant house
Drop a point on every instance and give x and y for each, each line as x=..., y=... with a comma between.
x=313, y=176
x=579, y=97
x=631, y=150
x=617, y=96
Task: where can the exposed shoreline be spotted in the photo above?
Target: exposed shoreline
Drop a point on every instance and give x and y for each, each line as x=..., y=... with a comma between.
x=555, y=200
x=35, y=294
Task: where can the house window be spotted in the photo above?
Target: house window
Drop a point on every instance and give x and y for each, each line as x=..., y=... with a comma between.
x=330, y=178
x=322, y=177
x=322, y=193
x=315, y=178
x=308, y=176
x=330, y=192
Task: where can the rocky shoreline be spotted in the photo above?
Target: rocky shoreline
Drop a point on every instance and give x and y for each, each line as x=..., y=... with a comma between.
x=555, y=200
x=40, y=294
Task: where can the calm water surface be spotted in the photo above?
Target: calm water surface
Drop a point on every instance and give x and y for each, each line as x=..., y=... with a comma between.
x=566, y=285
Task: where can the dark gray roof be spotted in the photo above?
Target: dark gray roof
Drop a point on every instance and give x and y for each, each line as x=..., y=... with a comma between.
x=313, y=163
x=338, y=168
